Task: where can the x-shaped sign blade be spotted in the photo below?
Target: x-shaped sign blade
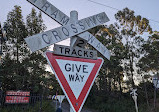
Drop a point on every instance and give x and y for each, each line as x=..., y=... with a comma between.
x=63, y=19
x=53, y=36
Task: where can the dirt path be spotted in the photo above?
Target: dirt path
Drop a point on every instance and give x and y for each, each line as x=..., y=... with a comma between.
x=66, y=107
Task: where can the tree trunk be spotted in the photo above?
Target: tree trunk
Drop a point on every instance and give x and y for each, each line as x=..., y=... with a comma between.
x=120, y=88
x=17, y=70
x=109, y=85
x=155, y=95
x=131, y=70
x=147, y=100
x=155, y=98
x=114, y=80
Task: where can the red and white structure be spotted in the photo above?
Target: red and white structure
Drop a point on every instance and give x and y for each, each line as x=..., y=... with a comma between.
x=75, y=76
x=16, y=97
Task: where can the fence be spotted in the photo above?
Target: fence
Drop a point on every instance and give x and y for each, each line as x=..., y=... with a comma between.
x=35, y=103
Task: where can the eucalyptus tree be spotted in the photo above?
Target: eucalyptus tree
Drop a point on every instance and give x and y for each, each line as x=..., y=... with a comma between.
x=114, y=66
x=111, y=74
x=150, y=60
x=133, y=30
x=149, y=63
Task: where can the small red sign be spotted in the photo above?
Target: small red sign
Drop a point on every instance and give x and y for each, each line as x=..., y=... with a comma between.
x=14, y=97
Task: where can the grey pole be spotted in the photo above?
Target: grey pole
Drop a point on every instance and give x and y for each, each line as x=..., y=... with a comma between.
x=136, y=106
x=134, y=96
x=73, y=18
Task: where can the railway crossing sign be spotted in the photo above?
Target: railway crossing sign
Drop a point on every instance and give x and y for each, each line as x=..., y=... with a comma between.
x=53, y=36
x=77, y=69
x=68, y=29
x=75, y=76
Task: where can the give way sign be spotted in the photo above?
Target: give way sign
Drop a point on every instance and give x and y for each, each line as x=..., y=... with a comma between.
x=75, y=76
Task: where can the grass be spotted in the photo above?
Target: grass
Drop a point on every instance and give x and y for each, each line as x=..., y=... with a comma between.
x=46, y=107
x=119, y=104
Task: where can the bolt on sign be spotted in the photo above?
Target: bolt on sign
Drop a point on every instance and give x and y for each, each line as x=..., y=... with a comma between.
x=16, y=97
x=75, y=76
x=62, y=33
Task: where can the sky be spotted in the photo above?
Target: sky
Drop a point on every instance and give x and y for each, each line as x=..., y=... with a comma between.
x=86, y=8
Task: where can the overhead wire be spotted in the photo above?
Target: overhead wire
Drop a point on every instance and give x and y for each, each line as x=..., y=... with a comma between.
x=103, y=5
x=116, y=9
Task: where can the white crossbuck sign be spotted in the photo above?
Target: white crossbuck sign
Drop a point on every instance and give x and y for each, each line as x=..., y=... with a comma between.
x=69, y=28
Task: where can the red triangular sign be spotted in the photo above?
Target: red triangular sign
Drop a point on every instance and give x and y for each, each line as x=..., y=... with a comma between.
x=75, y=76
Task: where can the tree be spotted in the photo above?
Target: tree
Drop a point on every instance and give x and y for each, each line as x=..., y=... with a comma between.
x=132, y=30
x=111, y=74
x=16, y=32
x=114, y=69
x=21, y=69
x=150, y=61
x=35, y=61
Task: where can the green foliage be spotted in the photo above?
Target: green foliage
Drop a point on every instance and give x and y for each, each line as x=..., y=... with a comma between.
x=127, y=43
x=45, y=107
x=21, y=69
x=112, y=103
x=132, y=29
x=149, y=62
x=111, y=73
x=115, y=102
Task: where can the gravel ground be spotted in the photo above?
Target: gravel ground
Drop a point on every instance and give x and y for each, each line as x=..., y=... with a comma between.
x=66, y=107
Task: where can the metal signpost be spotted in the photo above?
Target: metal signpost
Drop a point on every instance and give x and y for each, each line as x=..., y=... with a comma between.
x=75, y=67
x=75, y=40
x=134, y=96
x=63, y=19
